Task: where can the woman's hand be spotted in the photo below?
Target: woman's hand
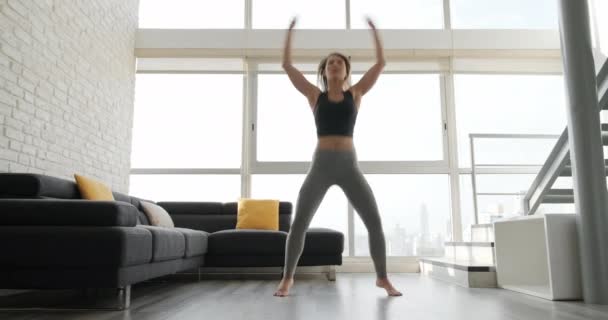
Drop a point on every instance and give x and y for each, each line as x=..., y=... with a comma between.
x=292, y=23
x=370, y=23
x=377, y=41
x=287, y=48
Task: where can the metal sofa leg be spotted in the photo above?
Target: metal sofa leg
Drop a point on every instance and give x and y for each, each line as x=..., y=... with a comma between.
x=124, y=298
x=331, y=273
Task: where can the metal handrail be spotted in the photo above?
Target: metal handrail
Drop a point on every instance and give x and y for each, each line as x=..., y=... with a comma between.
x=474, y=165
x=560, y=154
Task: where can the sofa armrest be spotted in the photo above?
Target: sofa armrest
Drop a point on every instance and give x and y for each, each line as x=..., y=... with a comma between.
x=322, y=230
x=324, y=240
x=51, y=212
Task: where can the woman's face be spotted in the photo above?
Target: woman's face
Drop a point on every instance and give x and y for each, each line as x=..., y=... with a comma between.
x=335, y=68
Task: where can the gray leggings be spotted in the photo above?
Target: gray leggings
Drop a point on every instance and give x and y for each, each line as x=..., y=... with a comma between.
x=338, y=167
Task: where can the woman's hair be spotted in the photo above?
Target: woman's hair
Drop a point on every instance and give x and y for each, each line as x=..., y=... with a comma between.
x=321, y=78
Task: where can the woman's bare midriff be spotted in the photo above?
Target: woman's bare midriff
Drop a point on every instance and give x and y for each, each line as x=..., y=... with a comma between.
x=335, y=143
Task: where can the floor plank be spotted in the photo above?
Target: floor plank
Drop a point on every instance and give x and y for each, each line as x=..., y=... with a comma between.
x=352, y=295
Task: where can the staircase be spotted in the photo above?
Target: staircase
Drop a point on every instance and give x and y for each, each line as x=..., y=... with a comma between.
x=558, y=163
x=470, y=264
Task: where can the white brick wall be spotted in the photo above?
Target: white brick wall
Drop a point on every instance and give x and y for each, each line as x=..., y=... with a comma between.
x=67, y=75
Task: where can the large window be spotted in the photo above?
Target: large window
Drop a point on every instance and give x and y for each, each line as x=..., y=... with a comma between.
x=187, y=121
x=189, y=141
x=186, y=187
x=513, y=104
x=191, y=14
x=312, y=14
x=403, y=14
x=286, y=125
x=395, y=113
x=500, y=196
x=504, y=14
x=415, y=213
x=332, y=212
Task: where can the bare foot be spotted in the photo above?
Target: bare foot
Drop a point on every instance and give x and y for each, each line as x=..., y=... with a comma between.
x=283, y=288
x=384, y=283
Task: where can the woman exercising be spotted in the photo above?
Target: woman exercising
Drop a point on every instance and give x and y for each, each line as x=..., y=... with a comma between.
x=334, y=162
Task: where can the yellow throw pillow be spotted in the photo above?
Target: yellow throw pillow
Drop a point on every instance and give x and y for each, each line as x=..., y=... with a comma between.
x=92, y=189
x=257, y=214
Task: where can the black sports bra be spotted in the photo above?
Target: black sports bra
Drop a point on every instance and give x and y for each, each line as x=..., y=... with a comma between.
x=335, y=118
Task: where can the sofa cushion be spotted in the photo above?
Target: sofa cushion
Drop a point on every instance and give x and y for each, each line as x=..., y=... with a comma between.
x=142, y=218
x=30, y=185
x=318, y=241
x=92, y=189
x=196, y=241
x=285, y=208
x=57, y=212
x=70, y=246
x=323, y=241
x=260, y=214
x=167, y=243
x=247, y=241
x=136, y=202
x=157, y=216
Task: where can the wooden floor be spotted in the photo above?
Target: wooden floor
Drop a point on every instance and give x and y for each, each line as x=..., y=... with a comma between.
x=352, y=296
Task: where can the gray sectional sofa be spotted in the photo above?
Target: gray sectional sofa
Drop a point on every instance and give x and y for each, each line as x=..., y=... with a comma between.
x=50, y=238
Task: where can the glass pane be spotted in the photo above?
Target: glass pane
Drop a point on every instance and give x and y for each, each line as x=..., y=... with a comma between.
x=492, y=151
x=192, y=14
x=395, y=113
x=286, y=125
x=415, y=213
x=194, y=187
x=504, y=183
x=504, y=14
x=312, y=14
x=402, y=14
x=467, y=211
x=332, y=212
x=491, y=207
x=521, y=104
x=187, y=121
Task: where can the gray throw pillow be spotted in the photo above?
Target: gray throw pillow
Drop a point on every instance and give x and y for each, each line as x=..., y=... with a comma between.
x=157, y=215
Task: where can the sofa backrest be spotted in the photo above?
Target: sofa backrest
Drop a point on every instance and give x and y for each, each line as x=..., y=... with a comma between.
x=38, y=186
x=215, y=216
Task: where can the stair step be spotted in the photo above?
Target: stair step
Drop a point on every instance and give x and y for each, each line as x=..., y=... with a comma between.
x=559, y=196
x=463, y=273
x=484, y=244
x=463, y=265
x=475, y=252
